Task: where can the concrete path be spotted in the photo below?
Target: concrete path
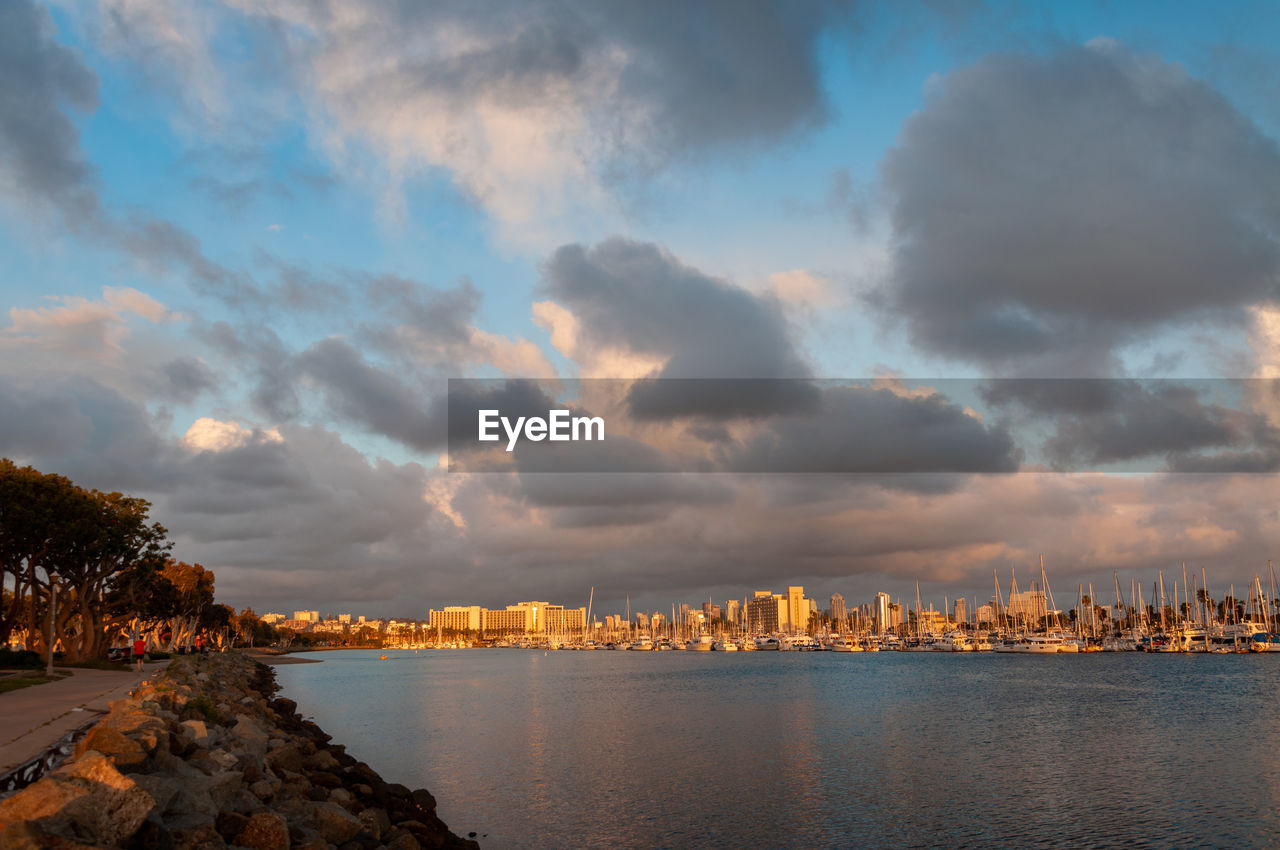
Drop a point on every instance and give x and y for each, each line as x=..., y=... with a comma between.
x=33, y=719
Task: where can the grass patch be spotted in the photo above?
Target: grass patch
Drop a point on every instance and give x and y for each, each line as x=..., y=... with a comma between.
x=14, y=683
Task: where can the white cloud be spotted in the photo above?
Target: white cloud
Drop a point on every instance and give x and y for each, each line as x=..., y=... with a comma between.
x=211, y=435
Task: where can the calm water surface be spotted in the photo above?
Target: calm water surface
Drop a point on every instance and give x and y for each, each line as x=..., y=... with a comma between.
x=766, y=749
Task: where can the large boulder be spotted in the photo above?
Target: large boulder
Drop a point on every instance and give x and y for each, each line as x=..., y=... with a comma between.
x=124, y=752
x=264, y=831
x=335, y=823
x=103, y=805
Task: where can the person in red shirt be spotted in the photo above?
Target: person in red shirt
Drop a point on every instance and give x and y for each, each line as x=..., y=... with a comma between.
x=139, y=650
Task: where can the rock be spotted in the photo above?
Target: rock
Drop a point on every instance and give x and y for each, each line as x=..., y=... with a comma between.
x=336, y=824
x=162, y=788
x=223, y=759
x=263, y=790
x=288, y=757
x=325, y=779
x=195, y=731
x=375, y=822
x=311, y=842
x=38, y=835
x=125, y=753
x=404, y=840
x=90, y=793
x=251, y=736
x=152, y=835
x=284, y=706
x=264, y=831
x=230, y=824
x=200, y=836
x=245, y=803
x=323, y=760
x=423, y=800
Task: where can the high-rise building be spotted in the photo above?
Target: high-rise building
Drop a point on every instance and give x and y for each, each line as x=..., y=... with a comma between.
x=732, y=612
x=986, y=613
x=768, y=613
x=881, y=616
x=838, y=611
x=797, y=609
x=960, y=611
x=307, y=616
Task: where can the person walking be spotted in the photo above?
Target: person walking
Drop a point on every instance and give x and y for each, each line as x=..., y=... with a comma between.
x=139, y=650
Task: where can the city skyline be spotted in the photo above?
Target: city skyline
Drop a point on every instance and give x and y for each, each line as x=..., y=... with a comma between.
x=248, y=248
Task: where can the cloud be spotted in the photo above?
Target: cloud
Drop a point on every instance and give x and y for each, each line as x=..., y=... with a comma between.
x=82, y=328
x=1048, y=210
x=534, y=110
x=639, y=299
x=41, y=162
x=211, y=435
x=373, y=398
x=877, y=430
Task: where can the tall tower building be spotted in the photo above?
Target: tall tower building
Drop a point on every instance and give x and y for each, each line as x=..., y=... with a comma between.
x=883, y=623
x=797, y=609
x=838, y=611
x=960, y=610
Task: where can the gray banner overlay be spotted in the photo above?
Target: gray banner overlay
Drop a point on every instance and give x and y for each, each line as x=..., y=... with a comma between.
x=883, y=426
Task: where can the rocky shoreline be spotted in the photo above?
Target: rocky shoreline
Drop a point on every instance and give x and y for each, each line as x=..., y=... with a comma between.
x=207, y=757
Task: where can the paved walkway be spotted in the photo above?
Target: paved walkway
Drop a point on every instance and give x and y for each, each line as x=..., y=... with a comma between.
x=33, y=719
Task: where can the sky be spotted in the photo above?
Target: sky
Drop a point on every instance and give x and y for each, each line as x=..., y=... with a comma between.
x=247, y=244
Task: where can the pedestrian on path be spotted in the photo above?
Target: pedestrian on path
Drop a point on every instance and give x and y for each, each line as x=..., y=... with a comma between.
x=139, y=650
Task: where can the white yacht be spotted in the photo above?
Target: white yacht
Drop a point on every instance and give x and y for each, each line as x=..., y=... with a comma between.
x=768, y=643
x=701, y=643
x=954, y=642
x=724, y=645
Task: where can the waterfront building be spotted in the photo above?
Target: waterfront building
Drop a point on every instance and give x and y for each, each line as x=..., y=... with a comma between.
x=1029, y=606
x=344, y=619
x=733, y=612
x=881, y=615
x=271, y=618
x=960, y=611
x=768, y=613
x=931, y=622
x=986, y=613
x=838, y=611
x=307, y=616
x=463, y=618
x=797, y=608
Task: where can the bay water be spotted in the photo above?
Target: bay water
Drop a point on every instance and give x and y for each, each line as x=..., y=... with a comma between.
x=765, y=749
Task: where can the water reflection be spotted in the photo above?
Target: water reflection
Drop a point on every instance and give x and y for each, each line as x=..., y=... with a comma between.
x=800, y=750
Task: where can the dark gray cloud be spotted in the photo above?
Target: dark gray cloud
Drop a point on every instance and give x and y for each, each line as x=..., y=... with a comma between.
x=1207, y=425
x=83, y=429
x=359, y=392
x=40, y=156
x=869, y=430
x=639, y=297
x=184, y=378
x=1049, y=209
x=258, y=351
